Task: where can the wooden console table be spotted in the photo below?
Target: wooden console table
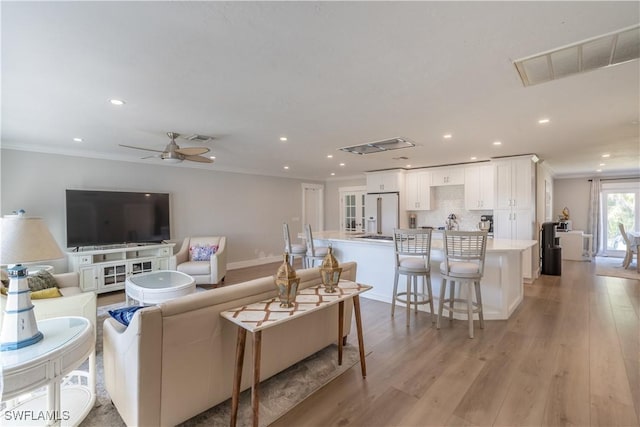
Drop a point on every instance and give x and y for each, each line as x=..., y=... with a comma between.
x=266, y=314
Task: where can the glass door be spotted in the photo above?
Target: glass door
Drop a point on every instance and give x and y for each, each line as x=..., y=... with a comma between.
x=619, y=205
x=352, y=209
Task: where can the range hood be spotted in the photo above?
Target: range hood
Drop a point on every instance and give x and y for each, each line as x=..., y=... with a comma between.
x=379, y=146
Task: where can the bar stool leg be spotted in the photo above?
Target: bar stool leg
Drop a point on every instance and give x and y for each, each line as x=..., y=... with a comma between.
x=452, y=292
x=415, y=292
x=443, y=289
x=470, y=308
x=395, y=294
x=430, y=293
x=479, y=301
x=408, y=298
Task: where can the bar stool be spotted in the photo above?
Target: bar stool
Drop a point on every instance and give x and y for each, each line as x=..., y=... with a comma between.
x=295, y=249
x=314, y=253
x=413, y=259
x=464, y=263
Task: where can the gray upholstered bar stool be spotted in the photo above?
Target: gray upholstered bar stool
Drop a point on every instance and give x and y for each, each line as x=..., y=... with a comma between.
x=464, y=253
x=293, y=249
x=413, y=259
x=314, y=253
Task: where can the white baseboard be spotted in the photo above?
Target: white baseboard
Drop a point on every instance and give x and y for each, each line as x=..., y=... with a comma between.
x=253, y=262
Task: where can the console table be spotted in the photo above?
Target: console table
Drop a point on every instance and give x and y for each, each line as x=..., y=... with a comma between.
x=265, y=314
x=67, y=343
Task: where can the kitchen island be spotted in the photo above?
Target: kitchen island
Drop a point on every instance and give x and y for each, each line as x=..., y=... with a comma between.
x=502, y=284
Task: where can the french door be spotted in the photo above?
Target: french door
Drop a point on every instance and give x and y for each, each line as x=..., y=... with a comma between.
x=352, y=208
x=620, y=202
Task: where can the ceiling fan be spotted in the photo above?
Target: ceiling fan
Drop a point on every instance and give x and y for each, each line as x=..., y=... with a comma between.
x=174, y=154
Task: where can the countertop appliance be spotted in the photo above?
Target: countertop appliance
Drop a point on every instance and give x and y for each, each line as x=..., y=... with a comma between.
x=382, y=213
x=564, y=225
x=487, y=219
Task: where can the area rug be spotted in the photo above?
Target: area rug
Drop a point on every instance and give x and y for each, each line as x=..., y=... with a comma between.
x=278, y=394
x=612, y=267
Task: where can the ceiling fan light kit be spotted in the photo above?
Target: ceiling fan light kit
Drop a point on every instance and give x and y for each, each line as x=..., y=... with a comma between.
x=174, y=154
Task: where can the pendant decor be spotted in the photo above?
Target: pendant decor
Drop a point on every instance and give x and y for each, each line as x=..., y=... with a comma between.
x=287, y=283
x=330, y=271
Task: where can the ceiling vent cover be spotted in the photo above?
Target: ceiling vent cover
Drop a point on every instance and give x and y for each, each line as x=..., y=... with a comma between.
x=198, y=138
x=599, y=52
x=379, y=146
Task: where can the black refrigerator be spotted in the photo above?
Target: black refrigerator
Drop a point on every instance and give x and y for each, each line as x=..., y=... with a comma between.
x=550, y=250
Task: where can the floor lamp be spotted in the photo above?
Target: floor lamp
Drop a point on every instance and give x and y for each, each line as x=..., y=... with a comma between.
x=23, y=239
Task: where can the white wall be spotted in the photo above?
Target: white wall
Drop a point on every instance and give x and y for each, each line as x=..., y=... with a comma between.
x=574, y=194
x=248, y=209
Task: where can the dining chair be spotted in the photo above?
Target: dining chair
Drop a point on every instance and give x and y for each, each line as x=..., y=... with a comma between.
x=314, y=253
x=464, y=254
x=293, y=249
x=632, y=247
x=413, y=260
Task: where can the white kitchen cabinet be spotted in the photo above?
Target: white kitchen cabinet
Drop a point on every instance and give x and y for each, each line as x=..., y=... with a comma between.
x=418, y=191
x=385, y=182
x=105, y=270
x=447, y=176
x=478, y=187
x=514, y=209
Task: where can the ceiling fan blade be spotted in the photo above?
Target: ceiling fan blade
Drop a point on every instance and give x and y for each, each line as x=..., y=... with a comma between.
x=192, y=151
x=140, y=148
x=198, y=159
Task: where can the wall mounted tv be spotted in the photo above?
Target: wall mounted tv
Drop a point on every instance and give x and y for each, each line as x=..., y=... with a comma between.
x=116, y=217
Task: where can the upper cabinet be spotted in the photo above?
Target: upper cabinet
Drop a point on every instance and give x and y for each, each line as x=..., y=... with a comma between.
x=478, y=187
x=515, y=186
x=447, y=176
x=385, y=182
x=418, y=191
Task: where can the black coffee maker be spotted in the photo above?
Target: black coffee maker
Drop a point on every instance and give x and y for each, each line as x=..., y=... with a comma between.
x=489, y=219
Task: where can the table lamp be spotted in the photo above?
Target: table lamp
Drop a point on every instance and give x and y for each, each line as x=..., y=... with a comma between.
x=23, y=239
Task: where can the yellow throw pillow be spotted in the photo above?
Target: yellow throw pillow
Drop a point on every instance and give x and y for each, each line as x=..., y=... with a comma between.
x=46, y=293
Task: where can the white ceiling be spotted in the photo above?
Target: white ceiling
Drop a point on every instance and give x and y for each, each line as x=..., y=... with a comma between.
x=324, y=74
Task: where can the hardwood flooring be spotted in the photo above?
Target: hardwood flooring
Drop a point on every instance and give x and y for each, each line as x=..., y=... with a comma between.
x=569, y=355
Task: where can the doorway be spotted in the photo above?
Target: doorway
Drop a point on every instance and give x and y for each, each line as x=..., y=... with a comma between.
x=619, y=205
x=313, y=206
x=352, y=216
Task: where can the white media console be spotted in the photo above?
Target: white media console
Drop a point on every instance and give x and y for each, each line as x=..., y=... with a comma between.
x=106, y=270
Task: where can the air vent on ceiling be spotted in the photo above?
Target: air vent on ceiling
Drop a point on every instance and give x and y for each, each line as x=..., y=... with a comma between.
x=379, y=146
x=198, y=138
x=599, y=52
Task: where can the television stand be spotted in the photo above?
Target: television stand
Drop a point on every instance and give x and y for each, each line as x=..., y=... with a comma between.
x=106, y=269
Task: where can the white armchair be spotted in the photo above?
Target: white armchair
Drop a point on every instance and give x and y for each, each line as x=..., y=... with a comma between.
x=73, y=301
x=208, y=272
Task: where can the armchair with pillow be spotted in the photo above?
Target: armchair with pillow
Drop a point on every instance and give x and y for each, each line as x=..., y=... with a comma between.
x=204, y=259
x=56, y=295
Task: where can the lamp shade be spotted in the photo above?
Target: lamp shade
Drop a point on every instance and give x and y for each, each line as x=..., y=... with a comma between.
x=26, y=239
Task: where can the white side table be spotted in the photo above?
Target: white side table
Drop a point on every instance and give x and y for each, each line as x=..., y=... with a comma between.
x=67, y=343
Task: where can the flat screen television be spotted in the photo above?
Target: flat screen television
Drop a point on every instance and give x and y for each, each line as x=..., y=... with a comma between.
x=116, y=217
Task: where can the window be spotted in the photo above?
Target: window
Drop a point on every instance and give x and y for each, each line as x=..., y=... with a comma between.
x=619, y=205
x=352, y=208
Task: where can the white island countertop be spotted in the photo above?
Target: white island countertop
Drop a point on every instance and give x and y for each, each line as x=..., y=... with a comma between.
x=493, y=245
x=508, y=263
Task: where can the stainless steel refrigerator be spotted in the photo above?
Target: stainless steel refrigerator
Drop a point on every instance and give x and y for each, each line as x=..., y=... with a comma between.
x=382, y=212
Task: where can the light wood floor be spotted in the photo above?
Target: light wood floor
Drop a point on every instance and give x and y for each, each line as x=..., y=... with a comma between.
x=570, y=355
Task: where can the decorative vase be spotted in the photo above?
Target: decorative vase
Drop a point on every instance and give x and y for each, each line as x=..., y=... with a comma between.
x=287, y=283
x=330, y=271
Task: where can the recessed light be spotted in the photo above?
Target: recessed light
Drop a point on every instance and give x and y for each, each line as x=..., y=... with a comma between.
x=283, y=138
x=341, y=164
x=598, y=170
x=77, y=139
x=474, y=158
x=116, y=102
x=212, y=157
x=606, y=155
x=408, y=166
x=447, y=136
x=543, y=121
x=286, y=167
x=602, y=164
x=329, y=156
x=497, y=143
x=333, y=173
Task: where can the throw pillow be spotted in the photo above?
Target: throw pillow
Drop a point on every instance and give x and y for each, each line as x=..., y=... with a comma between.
x=4, y=278
x=125, y=314
x=46, y=293
x=41, y=280
x=202, y=252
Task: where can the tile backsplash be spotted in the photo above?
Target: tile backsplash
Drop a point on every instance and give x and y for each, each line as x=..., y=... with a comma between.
x=447, y=200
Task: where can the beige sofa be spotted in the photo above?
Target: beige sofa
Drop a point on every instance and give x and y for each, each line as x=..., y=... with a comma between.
x=209, y=272
x=176, y=360
x=73, y=301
